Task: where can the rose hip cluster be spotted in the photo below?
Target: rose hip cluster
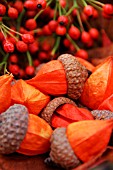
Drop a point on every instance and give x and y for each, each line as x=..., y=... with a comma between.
x=35, y=31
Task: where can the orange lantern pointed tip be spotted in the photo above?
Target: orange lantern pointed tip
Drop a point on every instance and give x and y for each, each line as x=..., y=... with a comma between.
x=50, y=79
x=99, y=85
x=89, y=138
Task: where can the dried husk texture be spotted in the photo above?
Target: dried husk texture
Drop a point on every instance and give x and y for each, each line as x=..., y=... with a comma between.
x=99, y=85
x=37, y=139
x=69, y=113
x=89, y=138
x=50, y=79
x=5, y=91
x=107, y=104
x=32, y=98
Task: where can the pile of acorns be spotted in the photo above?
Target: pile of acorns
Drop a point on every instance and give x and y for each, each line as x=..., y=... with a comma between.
x=57, y=111
x=35, y=31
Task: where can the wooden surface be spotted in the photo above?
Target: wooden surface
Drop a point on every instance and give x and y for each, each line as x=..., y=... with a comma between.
x=20, y=162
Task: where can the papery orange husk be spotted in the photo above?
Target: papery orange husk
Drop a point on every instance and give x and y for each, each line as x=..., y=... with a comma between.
x=107, y=104
x=5, y=91
x=87, y=64
x=32, y=98
x=89, y=138
x=69, y=113
x=50, y=79
x=37, y=139
x=99, y=85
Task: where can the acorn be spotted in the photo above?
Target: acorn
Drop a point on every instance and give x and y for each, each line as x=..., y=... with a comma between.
x=66, y=75
x=102, y=114
x=19, y=133
x=76, y=75
x=79, y=142
x=50, y=108
x=13, y=127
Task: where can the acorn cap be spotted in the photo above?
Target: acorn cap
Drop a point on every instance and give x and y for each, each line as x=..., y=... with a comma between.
x=76, y=75
x=52, y=106
x=102, y=114
x=13, y=128
x=61, y=152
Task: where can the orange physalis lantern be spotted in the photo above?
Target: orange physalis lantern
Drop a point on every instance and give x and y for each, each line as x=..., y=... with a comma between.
x=32, y=98
x=99, y=85
x=5, y=91
x=89, y=138
x=69, y=113
x=37, y=139
x=50, y=79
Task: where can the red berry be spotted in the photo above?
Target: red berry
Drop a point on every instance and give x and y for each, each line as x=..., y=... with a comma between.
x=31, y=24
x=43, y=56
x=41, y=4
x=62, y=3
x=95, y=14
x=30, y=5
x=13, y=58
x=23, y=30
x=46, y=30
x=88, y=10
x=85, y=37
x=21, y=73
x=82, y=54
x=27, y=38
x=106, y=15
x=52, y=25
x=74, y=12
x=21, y=46
x=12, y=13
x=30, y=70
x=66, y=42
x=61, y=30
x=12, y=40
x=94, y=33
x=45, y=46
x=84, y=17
x=8, y=46
x=31, y=14
x=34, y=47
x=14, y=69
x=36, y=62
x=2, y=10
x=108, y=9
x=63, y=20
x=74, y=32
x=18, y=5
